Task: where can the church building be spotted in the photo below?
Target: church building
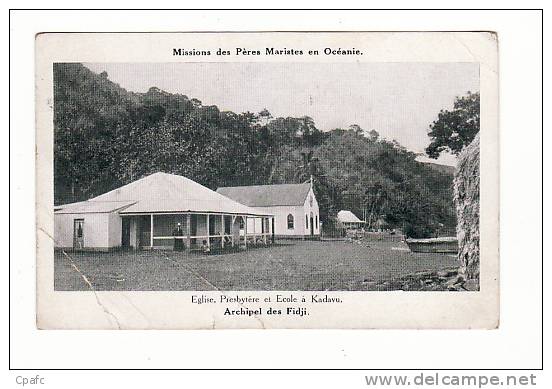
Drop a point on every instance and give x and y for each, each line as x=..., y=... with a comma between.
x=294, y=206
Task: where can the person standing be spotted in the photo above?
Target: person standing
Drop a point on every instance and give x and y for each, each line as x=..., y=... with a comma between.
x=178, y=242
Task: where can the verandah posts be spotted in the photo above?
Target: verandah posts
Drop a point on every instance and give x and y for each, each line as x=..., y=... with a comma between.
x=254, y=231
x=223, y=230
x=232, y=229
x=264, y=229
x=272, y=230
x=189, y=231
x=151, y=230
x=245, y=230
x=208, y=233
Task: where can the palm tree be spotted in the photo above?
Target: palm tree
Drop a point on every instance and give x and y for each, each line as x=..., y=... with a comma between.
x=309, y=168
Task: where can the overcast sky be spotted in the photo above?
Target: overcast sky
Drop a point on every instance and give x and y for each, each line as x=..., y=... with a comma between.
x=399, y=100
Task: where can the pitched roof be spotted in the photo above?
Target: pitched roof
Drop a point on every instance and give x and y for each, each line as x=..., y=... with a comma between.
x=162, y=192
x=348, y=217
x=267, y=195
x=92, y=207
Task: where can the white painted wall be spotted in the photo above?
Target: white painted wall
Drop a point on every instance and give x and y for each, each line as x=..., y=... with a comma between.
x=300, y=228
x=104, y=230
x=315, y=213
x=254, y=225
x=280, y=219
x=115, y=230
x=100, y=231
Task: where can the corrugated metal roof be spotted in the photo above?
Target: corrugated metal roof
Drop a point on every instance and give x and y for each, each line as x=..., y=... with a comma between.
x=162, y=192
x=267, y=195
x=92, y=207
x=348, y=217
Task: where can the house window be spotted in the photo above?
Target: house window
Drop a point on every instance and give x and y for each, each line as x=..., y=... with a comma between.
x=290, y=221
x=307, y=222
x=316, y=221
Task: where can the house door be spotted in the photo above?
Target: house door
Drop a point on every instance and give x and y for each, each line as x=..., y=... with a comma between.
x=311, y=224
x=78, y=234
x=125, y=233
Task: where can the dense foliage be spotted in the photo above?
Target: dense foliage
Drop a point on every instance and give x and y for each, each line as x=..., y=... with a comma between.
x=455, y=129
x=106, y=137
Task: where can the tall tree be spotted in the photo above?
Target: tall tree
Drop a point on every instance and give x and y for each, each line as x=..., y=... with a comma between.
x=455, y=129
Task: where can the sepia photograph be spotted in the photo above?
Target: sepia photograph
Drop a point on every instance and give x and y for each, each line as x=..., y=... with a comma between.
x=267, y=180
x=266, y=176
x=329, y=197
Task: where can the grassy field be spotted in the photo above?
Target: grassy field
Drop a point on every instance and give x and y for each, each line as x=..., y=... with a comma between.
x=287, y=265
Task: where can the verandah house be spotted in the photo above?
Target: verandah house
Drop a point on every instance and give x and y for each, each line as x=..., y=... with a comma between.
x=145, y=213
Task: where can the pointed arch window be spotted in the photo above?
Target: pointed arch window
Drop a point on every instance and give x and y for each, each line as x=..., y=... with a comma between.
x=290, y=222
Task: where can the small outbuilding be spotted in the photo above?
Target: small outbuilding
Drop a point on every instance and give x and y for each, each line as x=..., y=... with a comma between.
x=160, y=211
x=294, y=206
x=349, y=220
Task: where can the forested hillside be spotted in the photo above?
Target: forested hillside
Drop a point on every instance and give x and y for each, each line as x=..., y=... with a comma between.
x=106, y=137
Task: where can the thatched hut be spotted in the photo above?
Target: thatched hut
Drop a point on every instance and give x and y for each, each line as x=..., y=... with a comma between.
x=466, y=200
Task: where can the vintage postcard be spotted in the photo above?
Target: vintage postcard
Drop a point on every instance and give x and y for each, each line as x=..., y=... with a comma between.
x=267, y=180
